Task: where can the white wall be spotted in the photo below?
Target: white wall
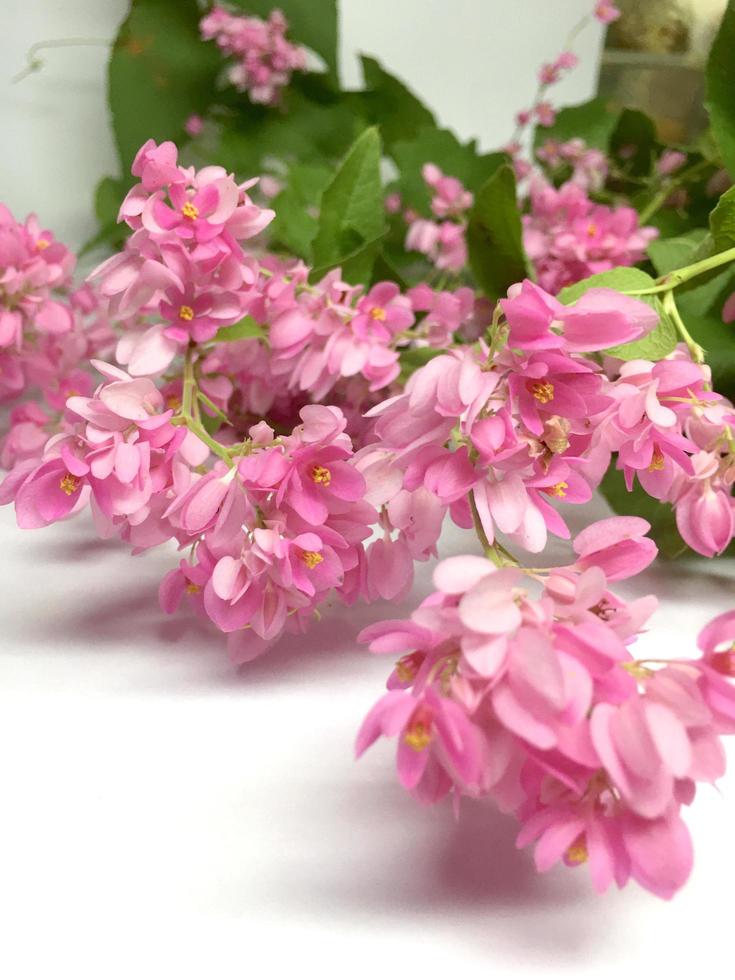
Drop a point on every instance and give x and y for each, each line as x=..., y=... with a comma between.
x=473, y=61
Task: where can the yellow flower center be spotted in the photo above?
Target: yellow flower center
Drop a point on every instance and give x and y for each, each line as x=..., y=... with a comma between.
x=577, y=853
x=42, y=243
x=312, y=558
x=559, y=489
x=657, y=461
x=320, y=474
x=592, y=229
x=186, y=313
x=173, y=402
x=637, y=670
x=542, y=391
x=69, y=484
x=378, y=313
x=407, y=667
x=190, y=211
x=417, y=736
x=192, y=588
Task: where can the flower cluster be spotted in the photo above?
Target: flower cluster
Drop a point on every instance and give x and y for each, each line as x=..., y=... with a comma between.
x=569, y=237
x=498, y=437
x=184, y=263
x=209, y=430
x=264, y=59
x=536, y=701
x=273, y=532
x=443, y=242
x=674, y=434
x=589, y=166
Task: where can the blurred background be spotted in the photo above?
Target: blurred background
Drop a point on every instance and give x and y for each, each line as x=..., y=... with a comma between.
x=472, y=61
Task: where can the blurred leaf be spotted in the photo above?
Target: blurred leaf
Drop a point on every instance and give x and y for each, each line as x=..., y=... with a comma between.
x=310, y=22
x=634, y=129
x=108, y=196
x=294, y=225
x=591, y=121
x=388, y=103
x=440, y=146
x=656, y=345
x=247, y=327
x=306, y=132
x=637, y=502
x=720, y=97
x=352, y=216
x=718, y=340
x=722, y=221
x=495, y=235
x=160, y=72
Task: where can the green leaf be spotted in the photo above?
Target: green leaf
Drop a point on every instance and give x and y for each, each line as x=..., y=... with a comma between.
x=247, y=327
x=624, y=278
x=495, y=235
x=634, y=130
x=722, y=222
x=718, y=340
x=720, y=96
x=656, y=345
x=668, y=254
x=637, y=502
x=352, y=217
x=591, y=121
x=388, y=103
x=310, y=22
x=160, y=72
x=296, y=207
x=108, y=197
x=440, y=146
x=306, y=132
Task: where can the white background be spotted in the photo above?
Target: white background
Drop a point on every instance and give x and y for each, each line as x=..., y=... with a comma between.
x=163, y=815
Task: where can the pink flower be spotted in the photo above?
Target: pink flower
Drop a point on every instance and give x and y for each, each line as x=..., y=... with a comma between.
x=606, y=12
x=437, y=746
x=265, y=60
x=194, y=125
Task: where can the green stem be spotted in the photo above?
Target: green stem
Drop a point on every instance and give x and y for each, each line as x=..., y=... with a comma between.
x=671, y=280
x=670, y=185
x=186, y=415
x=495, y=552
x=670, y=307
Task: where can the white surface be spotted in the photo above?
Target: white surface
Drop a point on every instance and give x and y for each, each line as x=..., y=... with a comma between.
x=165, y=815
x=474, y=61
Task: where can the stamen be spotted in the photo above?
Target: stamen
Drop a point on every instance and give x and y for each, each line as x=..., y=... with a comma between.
x=186, y=313
x=42, y=243
x=192, y=588
x=312, y=558
x=320, y=474
x=558, y=489
x=418, y=734
x=378, y=313
x=190, y=211
x=657, y=461
x=69, y=484
x=577, y=852
x=542, y=391
x=636, y=669
x=408, y=666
